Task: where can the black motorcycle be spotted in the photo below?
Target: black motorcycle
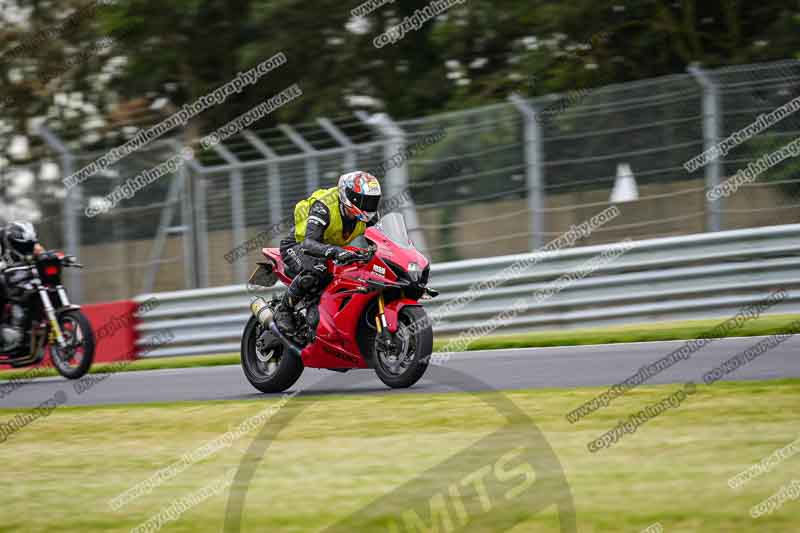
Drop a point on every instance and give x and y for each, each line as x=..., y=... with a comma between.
x=38, y=315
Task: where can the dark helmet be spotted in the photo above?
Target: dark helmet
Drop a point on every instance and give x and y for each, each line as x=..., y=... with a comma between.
x=19, y=239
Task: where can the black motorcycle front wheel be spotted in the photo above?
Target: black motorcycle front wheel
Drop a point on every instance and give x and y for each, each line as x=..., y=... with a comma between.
x=74, y=360
x=265, y=362
x=405, y=363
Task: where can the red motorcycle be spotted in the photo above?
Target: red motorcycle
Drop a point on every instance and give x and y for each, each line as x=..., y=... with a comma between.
x=368, y=316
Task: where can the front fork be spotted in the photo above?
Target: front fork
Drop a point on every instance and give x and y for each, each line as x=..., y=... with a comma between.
x=50, y=312
x=380, y=318
x=391, y=343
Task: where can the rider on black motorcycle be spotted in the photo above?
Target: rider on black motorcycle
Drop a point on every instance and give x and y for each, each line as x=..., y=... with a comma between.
x=324, y=223
x=18, y=242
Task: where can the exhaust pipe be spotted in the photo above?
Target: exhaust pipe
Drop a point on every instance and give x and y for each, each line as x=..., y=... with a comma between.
x=261, y=310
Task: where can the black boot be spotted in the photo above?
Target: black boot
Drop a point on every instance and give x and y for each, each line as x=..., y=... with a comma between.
x=284, y=315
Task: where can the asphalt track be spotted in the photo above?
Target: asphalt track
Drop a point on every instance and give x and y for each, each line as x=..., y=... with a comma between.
x=527, y=368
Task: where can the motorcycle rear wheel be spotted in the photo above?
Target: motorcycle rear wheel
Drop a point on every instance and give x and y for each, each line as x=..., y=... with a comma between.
x=412, y=362
x=270, y=369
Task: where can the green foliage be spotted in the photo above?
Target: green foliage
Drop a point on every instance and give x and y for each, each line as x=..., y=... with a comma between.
x=786, y=173
x=185, y=48
x=56, y=52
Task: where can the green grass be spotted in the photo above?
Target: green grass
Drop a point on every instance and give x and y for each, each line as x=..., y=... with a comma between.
x=140, y=364
x=664, y=331
x=341, y=453
x=661, y=331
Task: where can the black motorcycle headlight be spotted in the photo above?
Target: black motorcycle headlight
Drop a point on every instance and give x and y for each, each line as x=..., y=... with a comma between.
x=399, y=271
x=414, y=272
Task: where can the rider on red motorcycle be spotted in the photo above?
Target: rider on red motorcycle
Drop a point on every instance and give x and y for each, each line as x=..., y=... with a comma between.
x=324, y=223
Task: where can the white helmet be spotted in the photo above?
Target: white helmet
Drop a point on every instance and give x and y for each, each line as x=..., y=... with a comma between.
x=360, y=194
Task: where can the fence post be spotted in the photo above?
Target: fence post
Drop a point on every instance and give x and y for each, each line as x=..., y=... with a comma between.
x=341, y=138
x=189, y=250
x=312, y=161
x=164, y=229
x=274, y=178
x=71, y=222
x=712, y=125
x=201, y=227
x=237, y=216
x=396, y=179
x=237, y=210
x=534, y=170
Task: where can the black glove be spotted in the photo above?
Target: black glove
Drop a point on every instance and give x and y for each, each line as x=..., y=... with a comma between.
x=340, y=255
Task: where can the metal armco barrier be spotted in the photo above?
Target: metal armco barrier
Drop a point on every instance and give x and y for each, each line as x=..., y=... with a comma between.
x=709, y=275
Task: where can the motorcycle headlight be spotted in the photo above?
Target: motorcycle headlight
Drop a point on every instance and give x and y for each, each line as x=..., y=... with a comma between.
x=414, y=271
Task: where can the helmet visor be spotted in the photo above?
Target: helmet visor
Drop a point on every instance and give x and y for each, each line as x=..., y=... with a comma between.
x=365, y=202
x=23, y=248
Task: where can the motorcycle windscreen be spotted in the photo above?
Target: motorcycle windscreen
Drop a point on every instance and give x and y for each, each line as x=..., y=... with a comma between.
x=393, y=226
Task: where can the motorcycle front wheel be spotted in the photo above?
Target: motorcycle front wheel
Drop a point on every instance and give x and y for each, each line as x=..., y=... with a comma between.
x=75, y=359
x=402, y=367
